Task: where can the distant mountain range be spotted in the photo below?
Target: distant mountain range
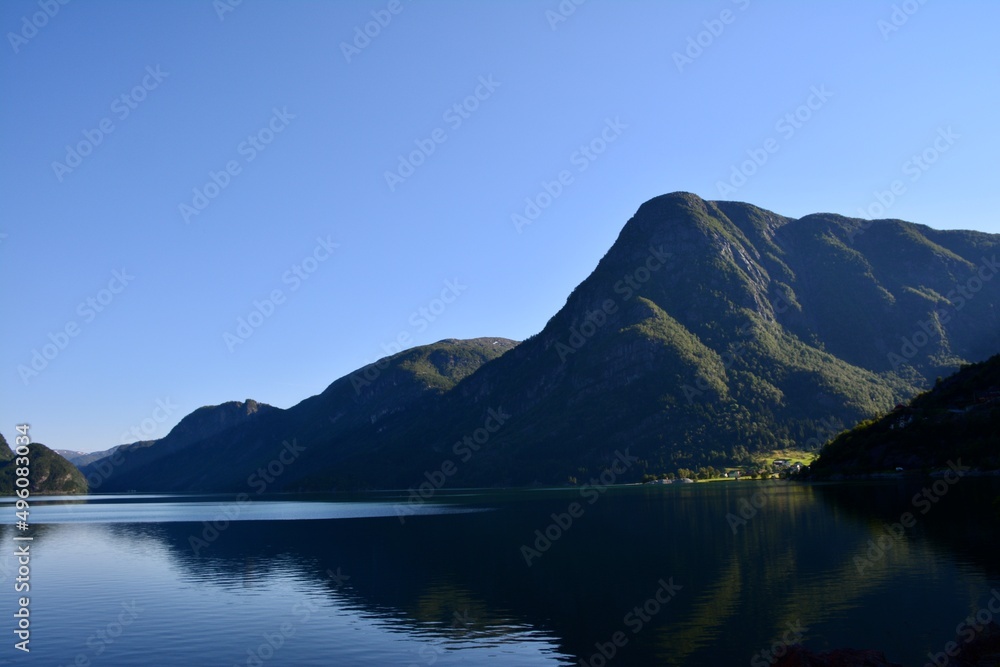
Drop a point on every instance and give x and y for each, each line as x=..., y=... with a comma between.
x=710, y=331
x=80, y=459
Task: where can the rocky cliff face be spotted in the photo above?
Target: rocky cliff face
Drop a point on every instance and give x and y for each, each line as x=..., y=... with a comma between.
x=708, y=331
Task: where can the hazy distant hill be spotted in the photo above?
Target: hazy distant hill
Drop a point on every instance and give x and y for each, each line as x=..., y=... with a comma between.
x=709, y=331
x=80, y=459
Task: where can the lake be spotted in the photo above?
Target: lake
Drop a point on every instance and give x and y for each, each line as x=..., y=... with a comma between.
x=684, y=574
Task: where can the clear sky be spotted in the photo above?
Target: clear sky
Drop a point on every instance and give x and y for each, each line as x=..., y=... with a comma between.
x=167, y=165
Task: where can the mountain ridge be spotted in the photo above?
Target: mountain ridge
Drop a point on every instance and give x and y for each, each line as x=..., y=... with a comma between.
x=707, y=332
x=354, y=403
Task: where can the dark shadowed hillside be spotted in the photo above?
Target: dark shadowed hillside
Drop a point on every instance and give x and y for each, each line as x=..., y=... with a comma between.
x=352, y=411
x=959, y=419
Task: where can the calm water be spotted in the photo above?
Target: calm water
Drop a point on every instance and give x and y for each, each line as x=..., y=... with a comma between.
x=341, y=581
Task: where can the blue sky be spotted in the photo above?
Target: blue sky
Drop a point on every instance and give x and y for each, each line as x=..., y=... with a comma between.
x=168, y=168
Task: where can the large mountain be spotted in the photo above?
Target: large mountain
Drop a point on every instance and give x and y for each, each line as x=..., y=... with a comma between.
x=708, y=332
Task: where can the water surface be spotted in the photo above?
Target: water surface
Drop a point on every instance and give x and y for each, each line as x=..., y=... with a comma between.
x=706, y=574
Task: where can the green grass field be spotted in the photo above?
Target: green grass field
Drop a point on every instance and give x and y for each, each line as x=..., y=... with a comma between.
x=802, y=456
